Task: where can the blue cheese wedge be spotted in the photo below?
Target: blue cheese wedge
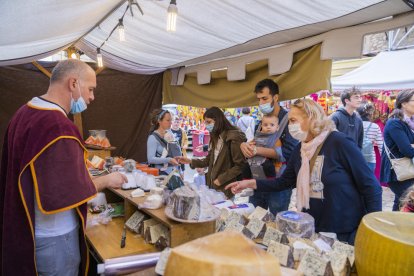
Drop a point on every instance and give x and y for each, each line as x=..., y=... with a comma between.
x=257, y=227
x=273, y=234
x=262, y=214
x=344, y=248
x=340, y=263
x=313, y=264
x=282, y=252
x=134, y=221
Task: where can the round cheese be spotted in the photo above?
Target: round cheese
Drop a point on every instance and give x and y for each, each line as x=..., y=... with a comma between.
x=222, y=253
x=384, y=244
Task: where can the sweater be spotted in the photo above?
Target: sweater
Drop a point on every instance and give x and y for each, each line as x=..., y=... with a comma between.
x=351, y=125
x=398, y=137
x=350, y=189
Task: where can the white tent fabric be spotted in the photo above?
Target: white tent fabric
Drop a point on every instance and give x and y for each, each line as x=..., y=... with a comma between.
x=392, y=70
x=207, y=30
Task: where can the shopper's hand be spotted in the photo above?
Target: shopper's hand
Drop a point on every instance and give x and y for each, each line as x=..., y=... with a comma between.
x=183, y=160
x=112, y=180
x=238, y=186
x=247, y=149
x=174, y=161
x=216, y=182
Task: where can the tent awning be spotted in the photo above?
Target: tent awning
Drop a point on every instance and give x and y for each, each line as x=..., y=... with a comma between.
x=387, y=71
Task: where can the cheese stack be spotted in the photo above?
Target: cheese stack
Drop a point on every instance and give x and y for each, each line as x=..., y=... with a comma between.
x=224, y=253
x=384, y=244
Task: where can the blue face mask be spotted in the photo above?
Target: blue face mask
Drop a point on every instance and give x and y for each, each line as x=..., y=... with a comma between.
x=210, y=127
x=79, y=105
x=266, y=108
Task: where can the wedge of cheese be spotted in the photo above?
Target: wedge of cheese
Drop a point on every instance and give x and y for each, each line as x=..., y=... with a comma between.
x=384, y=244
x=224, y=253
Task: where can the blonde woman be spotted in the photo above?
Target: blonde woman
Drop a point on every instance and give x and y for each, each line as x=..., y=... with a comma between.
x=339, y=189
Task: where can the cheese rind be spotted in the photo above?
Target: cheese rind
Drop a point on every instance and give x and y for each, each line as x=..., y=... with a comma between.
x=223, y=253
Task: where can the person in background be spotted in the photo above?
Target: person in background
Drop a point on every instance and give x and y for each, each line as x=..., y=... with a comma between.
x=267, y=94
x=224, y=160
x=346, y=119
x=157, y=147
x=44, y=181
x=399, y=138
x=246, y=123
x=333, y=181
x=230, y=118
x=372, y=135
x=199, y=177
x=181, y=137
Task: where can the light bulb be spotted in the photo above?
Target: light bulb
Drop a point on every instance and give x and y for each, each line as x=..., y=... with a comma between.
x=172, y=17
x=121, y=31
x=73, y=56
x=99, y=58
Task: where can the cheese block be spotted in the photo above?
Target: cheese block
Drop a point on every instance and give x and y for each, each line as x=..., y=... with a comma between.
x=283, y=252
x=257, y=227
x=237, y=227
x=313, y=264
x=235, y=217
x=145, y=224
x=135, y=221
x=262, y=214
x=185, y=203
x=300, y=248
x=158, y=230
x=273, y=234
x=344, y=248
x=340, y=263
x=322, y=246
x=97, y=162
x=247, y=233
x=384, y=244
x=223, y=253
x=296, y=224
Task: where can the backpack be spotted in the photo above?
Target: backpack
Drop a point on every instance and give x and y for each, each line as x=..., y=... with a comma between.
x=367, y=146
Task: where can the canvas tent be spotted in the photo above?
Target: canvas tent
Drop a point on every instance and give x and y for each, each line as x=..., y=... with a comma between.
x=391, y=70
x=220, y=48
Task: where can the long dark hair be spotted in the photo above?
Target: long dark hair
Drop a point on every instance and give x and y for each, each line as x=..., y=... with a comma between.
x=156, y=116
x=366, y=111
x=220, y=123
x=402, y=97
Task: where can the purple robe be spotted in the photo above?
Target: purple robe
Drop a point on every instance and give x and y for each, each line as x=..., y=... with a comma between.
x=43, y=159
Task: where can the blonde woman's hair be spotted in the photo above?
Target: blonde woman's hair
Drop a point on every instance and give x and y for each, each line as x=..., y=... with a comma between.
x=318, y=119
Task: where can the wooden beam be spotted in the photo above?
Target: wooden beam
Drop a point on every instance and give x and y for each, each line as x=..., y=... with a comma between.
x=42, y=69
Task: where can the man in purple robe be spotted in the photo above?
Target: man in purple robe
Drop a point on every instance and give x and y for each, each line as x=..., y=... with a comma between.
x=44, y=181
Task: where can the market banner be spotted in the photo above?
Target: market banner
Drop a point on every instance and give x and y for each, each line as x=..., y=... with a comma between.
x=307, y=75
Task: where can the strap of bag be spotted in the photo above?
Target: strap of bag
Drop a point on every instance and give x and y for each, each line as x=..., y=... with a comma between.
x=315, y=155
x=388, y=152
x=272, y=139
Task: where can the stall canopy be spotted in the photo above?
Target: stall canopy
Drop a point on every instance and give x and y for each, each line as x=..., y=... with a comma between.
x=393, y=70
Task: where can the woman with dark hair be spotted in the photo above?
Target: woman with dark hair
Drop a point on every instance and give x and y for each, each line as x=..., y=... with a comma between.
x=398, y=138
x=372, y=135
x=157, y=143
x=225, y=160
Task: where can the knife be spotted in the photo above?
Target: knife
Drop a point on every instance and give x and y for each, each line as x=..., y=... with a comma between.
x=123, y=237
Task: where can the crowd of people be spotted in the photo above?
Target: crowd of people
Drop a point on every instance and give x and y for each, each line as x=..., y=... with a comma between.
x=45, y=184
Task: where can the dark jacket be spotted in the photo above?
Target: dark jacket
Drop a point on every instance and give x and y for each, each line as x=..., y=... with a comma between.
x=398, y=137
x=351, y=125
x=350, y=187
x=288, y=142
x=229, y=164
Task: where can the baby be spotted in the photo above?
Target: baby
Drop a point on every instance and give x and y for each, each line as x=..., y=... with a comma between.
x=199, y=177
x=263, y=137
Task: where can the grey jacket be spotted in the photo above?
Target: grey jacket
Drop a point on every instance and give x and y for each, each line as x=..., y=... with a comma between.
x=351, y=125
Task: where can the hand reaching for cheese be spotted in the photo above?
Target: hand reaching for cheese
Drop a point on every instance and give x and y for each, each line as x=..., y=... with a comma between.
x=238, y=186
x=112, y=180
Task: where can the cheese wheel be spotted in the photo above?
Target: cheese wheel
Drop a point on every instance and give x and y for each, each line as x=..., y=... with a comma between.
x=224, y=253
x=384, y=244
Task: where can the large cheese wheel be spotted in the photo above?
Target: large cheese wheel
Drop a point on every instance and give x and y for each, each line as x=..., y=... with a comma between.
x=222, y=253
x=384, y=244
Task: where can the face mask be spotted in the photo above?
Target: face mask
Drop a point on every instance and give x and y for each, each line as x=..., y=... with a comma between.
x=266, y=108
x=297, y=133
x=210, y=127
x=79, y=105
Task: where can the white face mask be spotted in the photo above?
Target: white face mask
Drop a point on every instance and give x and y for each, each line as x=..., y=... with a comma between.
x=297, y=133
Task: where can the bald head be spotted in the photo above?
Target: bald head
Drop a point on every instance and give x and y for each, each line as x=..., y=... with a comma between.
x=69, y=68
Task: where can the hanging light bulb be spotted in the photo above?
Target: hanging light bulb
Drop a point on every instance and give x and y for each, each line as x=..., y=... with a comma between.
x=99, y=57
x=73, y=56
x=172, y=16
x=121, y=30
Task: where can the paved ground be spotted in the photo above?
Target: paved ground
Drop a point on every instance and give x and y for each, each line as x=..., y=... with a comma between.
x=387, y=195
